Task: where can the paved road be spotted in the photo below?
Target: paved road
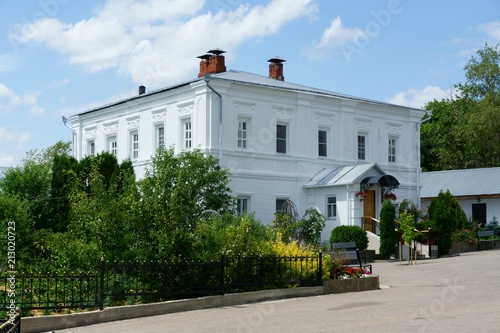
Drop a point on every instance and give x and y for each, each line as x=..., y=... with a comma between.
x=454, y=294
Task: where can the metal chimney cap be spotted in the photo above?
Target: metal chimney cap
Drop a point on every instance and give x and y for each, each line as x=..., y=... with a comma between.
x=204, y=57
x=276, y=59
x=216, y=51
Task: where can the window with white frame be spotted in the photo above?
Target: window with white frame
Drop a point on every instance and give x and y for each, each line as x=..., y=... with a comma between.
x=160, y=137
x=91, y=148
x=112, y=145
x=392, y=150
x=281, y=138
x=242, y=133
x=331, y=207
x=361, y=147
x=241, y=205
x=187, y=134
x=134, y=145
x=322, y=143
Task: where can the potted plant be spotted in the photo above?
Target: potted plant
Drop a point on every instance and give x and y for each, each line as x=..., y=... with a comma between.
x=390, y=196
x=361, y=195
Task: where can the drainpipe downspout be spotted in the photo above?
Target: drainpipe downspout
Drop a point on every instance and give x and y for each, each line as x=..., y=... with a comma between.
x=65, y=122
x=419, y=168
x=207, y=80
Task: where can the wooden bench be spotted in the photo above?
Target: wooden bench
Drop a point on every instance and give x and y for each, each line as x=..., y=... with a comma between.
x=348, y=250
x=485, y=233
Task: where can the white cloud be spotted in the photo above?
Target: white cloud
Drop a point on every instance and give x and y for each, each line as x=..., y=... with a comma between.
x=418, y=98
x=337, y=38
x=9, y=98
x=14, y=137
x=8, y=62
x=58, y=83
x=492, y=30
x=6, y=160
x=37, y=111
x=155, y=41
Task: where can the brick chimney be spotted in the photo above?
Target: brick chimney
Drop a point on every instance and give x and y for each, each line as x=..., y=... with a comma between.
x=212, y=62
x=276, y=68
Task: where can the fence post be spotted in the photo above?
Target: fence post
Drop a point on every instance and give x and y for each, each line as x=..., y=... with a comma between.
x=101, y=288
x=222, y=262
x=320, y=268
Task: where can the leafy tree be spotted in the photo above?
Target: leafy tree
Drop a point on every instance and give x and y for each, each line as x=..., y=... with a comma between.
x=464, y=131
x=101, y=218
x=448, y=217
x=407, y=206
x=311, y=226
x=483, y=73
x=30, y=183
x=388, y=235
x=13, y=209
x=174, y=192
x=60, y=191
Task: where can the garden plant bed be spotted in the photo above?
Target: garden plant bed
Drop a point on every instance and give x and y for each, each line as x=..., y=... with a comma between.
x=336, y=286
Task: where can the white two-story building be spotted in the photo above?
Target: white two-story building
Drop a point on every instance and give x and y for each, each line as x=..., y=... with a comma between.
x=279, y=140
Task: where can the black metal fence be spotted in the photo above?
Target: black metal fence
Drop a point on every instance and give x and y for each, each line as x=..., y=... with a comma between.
x=145, y=282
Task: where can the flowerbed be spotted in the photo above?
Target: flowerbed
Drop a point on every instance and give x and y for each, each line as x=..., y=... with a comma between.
x=371, y=282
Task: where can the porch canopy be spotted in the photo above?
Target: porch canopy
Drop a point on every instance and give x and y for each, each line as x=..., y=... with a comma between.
x=384, y=181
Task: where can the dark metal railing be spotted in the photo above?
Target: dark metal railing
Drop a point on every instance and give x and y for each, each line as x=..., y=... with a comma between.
x=118, y=282
x=371, y=224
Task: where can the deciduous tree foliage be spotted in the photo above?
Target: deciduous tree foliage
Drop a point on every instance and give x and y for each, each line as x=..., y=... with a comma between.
x=464, y=131
x=174, y=192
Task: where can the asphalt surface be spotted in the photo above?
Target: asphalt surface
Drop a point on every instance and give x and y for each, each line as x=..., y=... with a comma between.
x=451, y=294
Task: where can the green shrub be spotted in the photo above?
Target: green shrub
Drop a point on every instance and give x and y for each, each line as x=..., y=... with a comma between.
x=350, y=233
x=407, y=206
x=311, y=225
x=388, y=236
x=448, y=217
x=493, y=225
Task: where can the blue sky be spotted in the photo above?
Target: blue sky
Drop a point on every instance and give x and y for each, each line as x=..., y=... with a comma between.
x=61, y=57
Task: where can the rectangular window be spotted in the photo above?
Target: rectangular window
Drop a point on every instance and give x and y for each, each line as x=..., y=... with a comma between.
x=114, y=148
x=241, y=206
x=321, y=143
x=392, y=150
x=242, y=134
x=134, y=145
x=91, y=148
x=281, y=139
x=160, y=138
x=331, y=207
x=187, y=134
x=361, y=147
x=280, y=205
x=112, y=145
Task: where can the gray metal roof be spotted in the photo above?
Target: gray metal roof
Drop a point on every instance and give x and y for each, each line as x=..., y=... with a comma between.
x=469, y=182
x=264, y=81
x=342, y=175
x=256, y=80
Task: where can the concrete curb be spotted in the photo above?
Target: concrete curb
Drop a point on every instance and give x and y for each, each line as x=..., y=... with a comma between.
x=49, y=323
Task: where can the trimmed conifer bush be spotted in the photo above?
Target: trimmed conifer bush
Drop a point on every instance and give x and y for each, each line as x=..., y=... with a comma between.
x=388, y=235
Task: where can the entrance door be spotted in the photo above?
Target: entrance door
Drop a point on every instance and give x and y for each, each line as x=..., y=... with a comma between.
x=369, y=204
x=479, y=213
